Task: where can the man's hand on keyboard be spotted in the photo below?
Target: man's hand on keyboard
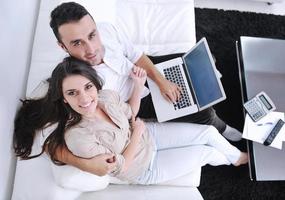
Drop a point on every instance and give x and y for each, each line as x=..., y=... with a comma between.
x=170, y=91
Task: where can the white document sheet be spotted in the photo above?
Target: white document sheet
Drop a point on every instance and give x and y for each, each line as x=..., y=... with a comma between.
x=258, y=131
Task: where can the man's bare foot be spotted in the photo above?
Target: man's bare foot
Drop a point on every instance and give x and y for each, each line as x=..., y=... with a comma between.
x=243, y=159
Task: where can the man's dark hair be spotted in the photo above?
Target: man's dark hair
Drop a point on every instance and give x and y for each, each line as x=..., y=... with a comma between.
x=66, y=13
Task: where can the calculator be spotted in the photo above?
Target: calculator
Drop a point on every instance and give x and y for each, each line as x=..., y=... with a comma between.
x=259, y=106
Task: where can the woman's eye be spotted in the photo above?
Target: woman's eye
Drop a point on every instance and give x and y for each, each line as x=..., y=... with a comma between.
x=71, y=93
x=89, y=86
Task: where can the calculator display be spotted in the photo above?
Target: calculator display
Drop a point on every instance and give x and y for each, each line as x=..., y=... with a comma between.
x=259, y=106
x=265, y=102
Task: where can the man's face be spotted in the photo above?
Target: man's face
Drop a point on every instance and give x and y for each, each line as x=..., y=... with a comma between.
x=81, y=40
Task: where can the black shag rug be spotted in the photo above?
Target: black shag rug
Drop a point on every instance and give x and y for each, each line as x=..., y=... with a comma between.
x=222, y=29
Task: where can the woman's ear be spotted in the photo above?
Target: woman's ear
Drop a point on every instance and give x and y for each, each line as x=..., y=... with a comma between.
x=64, y=101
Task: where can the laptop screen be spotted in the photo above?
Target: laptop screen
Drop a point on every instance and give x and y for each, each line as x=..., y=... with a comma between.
x=206, y=85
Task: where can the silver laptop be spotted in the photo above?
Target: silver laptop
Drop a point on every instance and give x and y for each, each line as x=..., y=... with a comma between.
x=195, y=72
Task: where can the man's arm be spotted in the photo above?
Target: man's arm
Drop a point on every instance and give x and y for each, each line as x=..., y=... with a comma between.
x=169, y=90
x=99, y=165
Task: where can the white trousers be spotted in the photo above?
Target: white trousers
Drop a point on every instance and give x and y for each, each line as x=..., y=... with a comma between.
x=184, y=147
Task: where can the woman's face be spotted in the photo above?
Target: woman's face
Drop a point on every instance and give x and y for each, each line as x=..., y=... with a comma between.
x=81, y=94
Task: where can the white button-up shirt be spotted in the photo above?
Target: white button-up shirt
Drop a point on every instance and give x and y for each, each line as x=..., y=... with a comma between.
x=119, y=58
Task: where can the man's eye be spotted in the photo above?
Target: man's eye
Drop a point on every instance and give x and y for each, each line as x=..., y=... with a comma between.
x=76, y=43
x=92, y=35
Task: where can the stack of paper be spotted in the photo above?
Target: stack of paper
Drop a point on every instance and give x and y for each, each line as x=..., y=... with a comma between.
x=258, y=131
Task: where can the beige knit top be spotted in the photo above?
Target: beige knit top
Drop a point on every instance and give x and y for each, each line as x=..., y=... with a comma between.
x=93, y=137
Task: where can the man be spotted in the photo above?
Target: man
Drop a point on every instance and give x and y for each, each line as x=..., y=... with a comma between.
x=113, y=56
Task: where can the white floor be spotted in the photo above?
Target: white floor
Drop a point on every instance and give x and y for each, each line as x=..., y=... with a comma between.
x=259, y=6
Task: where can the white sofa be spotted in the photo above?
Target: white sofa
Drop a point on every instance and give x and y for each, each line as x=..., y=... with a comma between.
x=156, y=27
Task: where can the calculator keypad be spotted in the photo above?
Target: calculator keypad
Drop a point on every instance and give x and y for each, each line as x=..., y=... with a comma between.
x=254, y=110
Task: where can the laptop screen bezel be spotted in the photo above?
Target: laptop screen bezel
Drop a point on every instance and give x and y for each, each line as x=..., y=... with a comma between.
x=223, y=97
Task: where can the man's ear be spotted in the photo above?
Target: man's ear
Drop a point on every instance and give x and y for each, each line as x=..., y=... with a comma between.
x=62, y=46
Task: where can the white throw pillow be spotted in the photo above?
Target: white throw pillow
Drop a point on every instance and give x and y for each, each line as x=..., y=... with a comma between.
x=158, y=27
x=73, y=178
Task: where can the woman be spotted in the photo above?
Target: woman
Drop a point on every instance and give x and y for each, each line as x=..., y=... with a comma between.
x=92, y=121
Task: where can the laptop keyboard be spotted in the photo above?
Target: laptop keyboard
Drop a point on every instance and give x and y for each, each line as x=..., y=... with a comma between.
x=174, y=75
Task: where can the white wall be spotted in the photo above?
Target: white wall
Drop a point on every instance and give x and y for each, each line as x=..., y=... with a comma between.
x=243, y=5
x=17, y=21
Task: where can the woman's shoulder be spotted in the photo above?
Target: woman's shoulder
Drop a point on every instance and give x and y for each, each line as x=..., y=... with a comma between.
x=84, y=127
x=110, y=96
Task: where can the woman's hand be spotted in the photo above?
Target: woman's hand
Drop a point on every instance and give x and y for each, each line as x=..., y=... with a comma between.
x=138, y=127
x=138, y=75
